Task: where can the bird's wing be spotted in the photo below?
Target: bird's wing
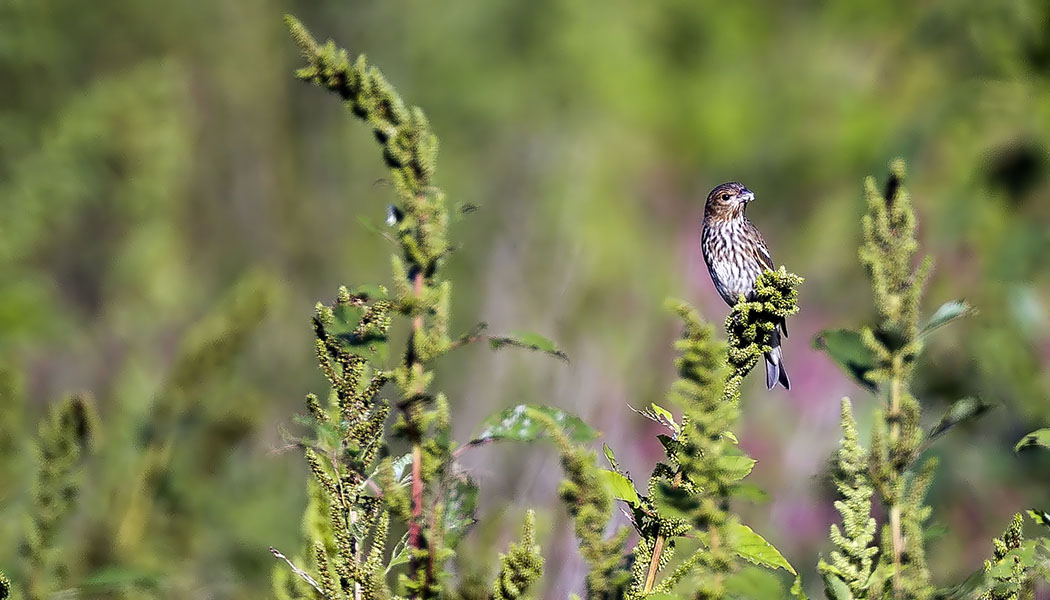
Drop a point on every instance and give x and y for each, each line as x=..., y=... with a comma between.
x=759, y=248
x=761, y=252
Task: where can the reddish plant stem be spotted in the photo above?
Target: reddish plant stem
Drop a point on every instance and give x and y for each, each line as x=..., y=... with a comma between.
x=658, y=548
x=415, y=526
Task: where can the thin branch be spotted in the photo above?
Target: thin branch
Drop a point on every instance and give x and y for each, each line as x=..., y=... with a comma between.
x=301, y=573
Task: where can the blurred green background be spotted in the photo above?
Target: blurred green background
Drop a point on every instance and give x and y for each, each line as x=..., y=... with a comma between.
x=159, y=164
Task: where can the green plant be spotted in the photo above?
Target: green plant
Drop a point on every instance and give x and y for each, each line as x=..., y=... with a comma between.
x=68, y=541
x=853, y=560
x=64, y=438
x=883, y=357
x=358, y=489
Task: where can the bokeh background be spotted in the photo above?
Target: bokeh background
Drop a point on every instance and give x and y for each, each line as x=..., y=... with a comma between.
x=159, y=159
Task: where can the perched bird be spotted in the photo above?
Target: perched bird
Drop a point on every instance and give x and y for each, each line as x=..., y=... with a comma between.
x=736, y=255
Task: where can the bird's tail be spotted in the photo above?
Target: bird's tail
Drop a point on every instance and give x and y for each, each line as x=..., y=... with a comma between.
x=775, y=369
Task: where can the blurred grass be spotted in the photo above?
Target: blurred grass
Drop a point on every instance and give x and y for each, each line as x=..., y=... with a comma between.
x=151, y=155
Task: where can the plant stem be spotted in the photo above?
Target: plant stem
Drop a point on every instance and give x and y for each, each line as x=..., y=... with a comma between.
x=895, y=509
x=415, y=527
x=658, y=548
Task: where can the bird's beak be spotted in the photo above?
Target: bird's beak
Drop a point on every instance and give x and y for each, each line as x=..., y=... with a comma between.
x=747, y=196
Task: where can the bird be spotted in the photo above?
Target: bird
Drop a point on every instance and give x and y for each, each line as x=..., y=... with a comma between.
x=736, y=255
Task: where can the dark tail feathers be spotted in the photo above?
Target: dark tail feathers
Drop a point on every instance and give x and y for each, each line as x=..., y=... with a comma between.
x=775, y=369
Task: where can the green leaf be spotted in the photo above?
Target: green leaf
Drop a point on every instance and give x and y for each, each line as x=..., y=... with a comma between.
x=1039, y=437
x=749, y=492
x=619, y=486
x=845, y=347
x=399, y=555
x=674, y=502
x=671, y=445
x=665, y=415
x=663, y=596
x=461, y=503
x=610, y=457
x=1039, y=516
x=729, y=435
x=736, y=467
x=528, y=422
x=1025, y=556
x=948, y=312
x=835, y=588
x=752, y=582
x=966, y=409
x=751, y=547
x=529, y=341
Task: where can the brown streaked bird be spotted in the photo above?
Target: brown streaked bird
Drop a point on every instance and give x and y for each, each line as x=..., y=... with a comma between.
x=736, y=255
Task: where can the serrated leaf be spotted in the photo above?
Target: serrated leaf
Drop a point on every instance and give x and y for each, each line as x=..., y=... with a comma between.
x=461, y=503
x=1039, y=516
x=529, y=341
x=736, y=467
x=753, y=548
x=948, y=312
x=835, y=588
x=520, y=424
x=729, y=435
x=966, y=409
x=610, y=457
x=1039, y=437
x=845, y=347
x=619, y=486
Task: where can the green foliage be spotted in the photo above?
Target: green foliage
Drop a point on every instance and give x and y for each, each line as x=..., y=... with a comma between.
x=961, y=411
x=884, y=355
x=590, y=504
x=1010, y=573
x=521, y=566
x=142, y=172
x=64, y=437
x=751, y=323
x=355, y=364
x=887, y=252
x=361, y=488
x=852, y=561
x=1038, y=438
x=687, y=496
x=527, y=423
x=847, y=349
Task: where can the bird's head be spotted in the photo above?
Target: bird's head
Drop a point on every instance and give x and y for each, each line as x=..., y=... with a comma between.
x=728, y=200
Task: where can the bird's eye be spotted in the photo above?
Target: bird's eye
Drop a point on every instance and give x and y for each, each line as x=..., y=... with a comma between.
x=725, y=196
